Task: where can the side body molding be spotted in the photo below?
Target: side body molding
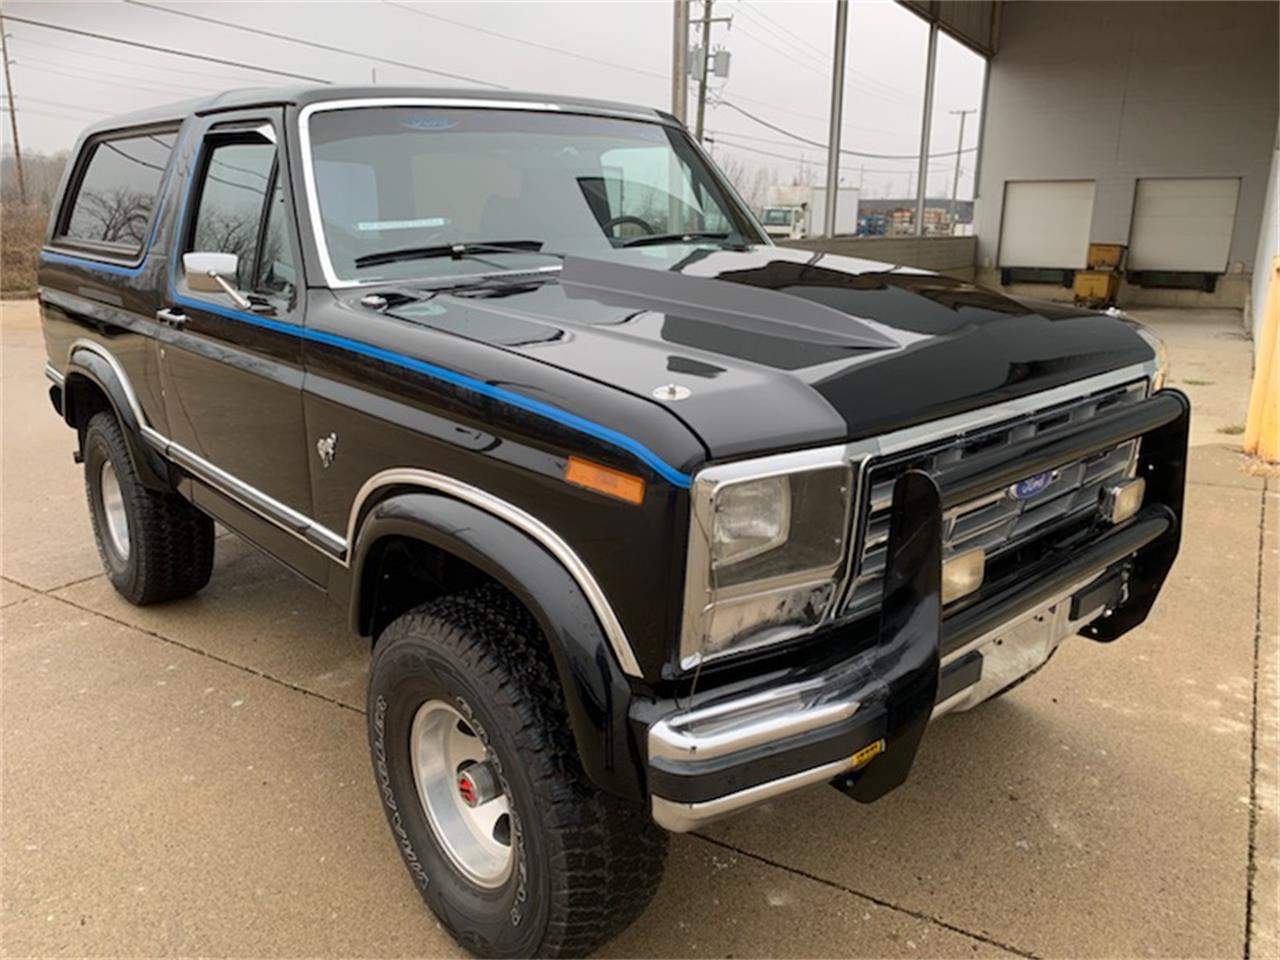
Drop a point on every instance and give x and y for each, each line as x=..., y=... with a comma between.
x=597, y=694
x=88, y=361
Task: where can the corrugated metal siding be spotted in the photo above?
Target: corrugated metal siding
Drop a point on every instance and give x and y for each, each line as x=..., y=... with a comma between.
x=973, y=22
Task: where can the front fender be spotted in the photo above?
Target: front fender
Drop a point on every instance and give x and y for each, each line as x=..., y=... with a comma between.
x=87, y=367
x=596, y=692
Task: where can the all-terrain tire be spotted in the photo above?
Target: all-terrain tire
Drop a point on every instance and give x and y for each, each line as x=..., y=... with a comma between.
x=586, y=863
x=167, y=551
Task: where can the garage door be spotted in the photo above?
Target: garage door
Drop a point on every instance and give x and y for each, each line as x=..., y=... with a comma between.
x=1046, y=223
x=1183, y=224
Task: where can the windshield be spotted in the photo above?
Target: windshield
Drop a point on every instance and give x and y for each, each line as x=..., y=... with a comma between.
x=404, y=179
x=776, y=217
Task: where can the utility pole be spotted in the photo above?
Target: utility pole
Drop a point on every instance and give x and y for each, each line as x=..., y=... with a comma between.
x=706, y=63
x=706, y=21
x=837, y=109
x=680, y=59
x=13, y=113
x=955, y=180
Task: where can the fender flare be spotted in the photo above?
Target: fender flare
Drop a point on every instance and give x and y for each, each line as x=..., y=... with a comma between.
x=104, y=373
x=596, y=692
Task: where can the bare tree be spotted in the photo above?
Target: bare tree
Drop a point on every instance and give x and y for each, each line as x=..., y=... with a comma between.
x=116, y=216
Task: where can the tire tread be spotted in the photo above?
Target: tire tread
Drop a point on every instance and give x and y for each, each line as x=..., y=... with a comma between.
x=609, y=855
x=172, y=541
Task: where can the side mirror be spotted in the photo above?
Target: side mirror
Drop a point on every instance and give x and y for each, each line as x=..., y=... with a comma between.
x=209, y=272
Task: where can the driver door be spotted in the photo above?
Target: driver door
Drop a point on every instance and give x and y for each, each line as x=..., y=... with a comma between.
x=231, y=361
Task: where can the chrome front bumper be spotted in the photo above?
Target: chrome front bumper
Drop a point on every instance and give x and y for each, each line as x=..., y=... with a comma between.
x=1007, y=653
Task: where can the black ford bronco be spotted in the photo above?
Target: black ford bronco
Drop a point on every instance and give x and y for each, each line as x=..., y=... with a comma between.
x=647, y=519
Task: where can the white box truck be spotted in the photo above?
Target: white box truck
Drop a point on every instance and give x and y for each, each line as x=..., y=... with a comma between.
x=796, y=212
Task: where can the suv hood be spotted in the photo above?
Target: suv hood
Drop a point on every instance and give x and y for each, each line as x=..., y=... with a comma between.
x=781, y=348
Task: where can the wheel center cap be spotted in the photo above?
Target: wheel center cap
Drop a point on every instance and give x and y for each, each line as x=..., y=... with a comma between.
x=477, y=784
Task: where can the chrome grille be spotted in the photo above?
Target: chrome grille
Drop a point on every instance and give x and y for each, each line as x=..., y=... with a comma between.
x=995, y=521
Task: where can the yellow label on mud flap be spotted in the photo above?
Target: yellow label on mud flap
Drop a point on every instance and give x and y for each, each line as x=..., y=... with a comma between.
x=868, y=753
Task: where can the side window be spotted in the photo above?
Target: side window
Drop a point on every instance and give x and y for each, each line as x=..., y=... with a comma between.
x=275, y=261
x=241, y=210
x=117, y=192
x=233, y=192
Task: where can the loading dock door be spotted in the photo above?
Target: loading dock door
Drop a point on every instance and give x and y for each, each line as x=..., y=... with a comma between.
x=1046, y=223
x=1183, y=224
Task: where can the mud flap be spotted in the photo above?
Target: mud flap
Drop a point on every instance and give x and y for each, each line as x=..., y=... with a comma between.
x=910, y=631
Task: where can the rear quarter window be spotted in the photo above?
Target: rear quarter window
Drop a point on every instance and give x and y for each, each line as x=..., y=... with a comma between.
x=116, y=192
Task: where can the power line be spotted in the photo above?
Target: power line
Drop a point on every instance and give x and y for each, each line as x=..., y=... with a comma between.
x=768, y=23
x=106, y=78
x=822, y=146
x=780, y=143
x=580, y=56
x=159, y=49
x=869, y=83
x=800, y=41
x=128, y=156
x=57, y=115
x=79, y=108
x=720, y=141
x=44, y=60
x=787, y=55
x=314, y=44
x=103, y=56
x=529, y=43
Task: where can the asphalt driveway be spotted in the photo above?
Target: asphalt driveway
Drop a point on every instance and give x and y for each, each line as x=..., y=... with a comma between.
x=192, y=779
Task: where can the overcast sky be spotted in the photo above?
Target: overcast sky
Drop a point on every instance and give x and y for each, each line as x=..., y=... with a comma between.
x=781, y=56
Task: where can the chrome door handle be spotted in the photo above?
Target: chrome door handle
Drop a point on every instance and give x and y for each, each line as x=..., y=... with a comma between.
x=171, y=317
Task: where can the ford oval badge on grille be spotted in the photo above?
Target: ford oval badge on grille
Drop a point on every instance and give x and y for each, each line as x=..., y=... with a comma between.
x=1031, y=486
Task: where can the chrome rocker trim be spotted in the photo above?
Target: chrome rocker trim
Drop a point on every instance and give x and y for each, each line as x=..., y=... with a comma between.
x=334, y=545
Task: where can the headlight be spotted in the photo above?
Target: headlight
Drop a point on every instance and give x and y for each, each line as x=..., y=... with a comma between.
x=767, y=549
x=751, y=517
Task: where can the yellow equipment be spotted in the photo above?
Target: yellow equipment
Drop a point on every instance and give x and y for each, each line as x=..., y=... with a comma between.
x=1262, y=429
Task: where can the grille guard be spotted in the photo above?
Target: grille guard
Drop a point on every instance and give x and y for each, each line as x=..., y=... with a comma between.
x=911, y=629
x=811, y=721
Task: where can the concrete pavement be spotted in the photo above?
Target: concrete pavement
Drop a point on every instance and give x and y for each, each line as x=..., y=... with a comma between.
x=192, y=779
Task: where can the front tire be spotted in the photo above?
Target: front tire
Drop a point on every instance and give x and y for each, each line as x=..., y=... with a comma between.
x=464, y=706
x=154, y=545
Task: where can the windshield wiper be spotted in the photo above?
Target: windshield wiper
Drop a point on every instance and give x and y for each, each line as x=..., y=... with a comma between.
x=655, y=239
x=456, y=251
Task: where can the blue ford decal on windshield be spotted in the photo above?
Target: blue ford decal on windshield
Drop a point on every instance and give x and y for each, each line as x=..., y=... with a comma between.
x=429, y=123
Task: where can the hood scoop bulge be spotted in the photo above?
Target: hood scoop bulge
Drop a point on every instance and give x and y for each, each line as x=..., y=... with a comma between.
x=747, y=308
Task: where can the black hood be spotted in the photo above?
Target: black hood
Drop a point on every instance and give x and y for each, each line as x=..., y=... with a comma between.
x=782, y=348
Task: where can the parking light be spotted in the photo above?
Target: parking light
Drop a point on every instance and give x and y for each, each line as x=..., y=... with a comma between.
x=1122, y=500
x=962, y=574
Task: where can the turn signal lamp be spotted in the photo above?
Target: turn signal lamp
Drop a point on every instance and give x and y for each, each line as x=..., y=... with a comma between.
x=962, y=574
x=1122, y=500
x=606, y=480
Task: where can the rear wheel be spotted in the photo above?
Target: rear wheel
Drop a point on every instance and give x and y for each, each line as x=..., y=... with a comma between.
x=507, y=841
x=154, y=545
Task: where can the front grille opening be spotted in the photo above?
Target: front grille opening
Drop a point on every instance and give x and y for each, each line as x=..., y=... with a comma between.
x=1011, y=531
